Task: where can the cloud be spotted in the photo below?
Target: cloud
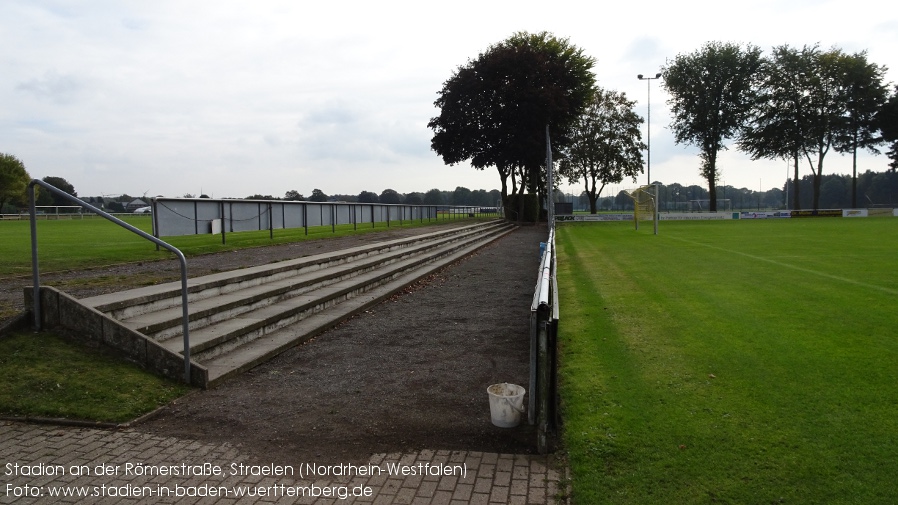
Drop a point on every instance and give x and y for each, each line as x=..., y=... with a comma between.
x=58, y=88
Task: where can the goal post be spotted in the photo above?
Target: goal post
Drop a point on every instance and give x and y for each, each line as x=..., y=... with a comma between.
x=645, y=204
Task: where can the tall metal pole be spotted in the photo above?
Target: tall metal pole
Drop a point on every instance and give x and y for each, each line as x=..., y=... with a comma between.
x=648, y=131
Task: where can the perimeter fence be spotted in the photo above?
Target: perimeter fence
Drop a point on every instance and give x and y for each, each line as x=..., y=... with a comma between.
x=542, y=409
x=196, y=216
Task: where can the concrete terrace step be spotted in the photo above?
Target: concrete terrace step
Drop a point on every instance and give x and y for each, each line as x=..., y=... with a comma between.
x=239, y=319
x=232, y=301
x=133, y=302
x=268, y=317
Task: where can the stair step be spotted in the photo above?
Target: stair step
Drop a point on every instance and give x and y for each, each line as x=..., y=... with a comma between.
x=253, y=324
x=241, y=318
x=130, y=303
x=245, y=357
x=167, y=323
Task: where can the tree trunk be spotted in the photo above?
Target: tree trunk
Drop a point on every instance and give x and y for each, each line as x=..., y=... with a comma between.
x=503, y=175
x=796, y=203
x=710, y=170
x=818, y=179
x=854, y=176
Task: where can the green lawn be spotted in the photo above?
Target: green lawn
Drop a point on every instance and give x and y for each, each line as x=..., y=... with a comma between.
x=730, y=362
x=82, y=243
x=47, y=375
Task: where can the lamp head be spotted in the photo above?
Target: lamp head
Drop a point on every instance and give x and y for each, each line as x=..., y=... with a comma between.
x=658, y=75
x=639, y=77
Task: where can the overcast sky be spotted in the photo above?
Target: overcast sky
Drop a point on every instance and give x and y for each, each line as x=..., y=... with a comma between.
x=235, y=98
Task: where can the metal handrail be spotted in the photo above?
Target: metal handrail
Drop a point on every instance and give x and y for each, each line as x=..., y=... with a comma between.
x=36, y=271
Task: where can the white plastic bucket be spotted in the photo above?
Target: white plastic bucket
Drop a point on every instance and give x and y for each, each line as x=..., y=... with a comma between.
x=506, y=404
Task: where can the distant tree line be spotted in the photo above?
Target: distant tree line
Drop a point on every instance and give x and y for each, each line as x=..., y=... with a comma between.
x=876, y=189
x=460, y=196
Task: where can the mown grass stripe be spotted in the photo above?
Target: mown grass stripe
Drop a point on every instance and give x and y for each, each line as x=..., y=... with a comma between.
x=690, y=374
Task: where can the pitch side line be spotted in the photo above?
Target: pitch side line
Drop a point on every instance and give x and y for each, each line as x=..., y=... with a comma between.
x=793, y=267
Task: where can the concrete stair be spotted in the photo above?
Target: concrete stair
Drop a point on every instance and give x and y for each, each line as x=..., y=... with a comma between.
x=241, y=318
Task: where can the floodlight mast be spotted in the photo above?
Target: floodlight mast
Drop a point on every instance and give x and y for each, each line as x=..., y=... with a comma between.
x=648, y=130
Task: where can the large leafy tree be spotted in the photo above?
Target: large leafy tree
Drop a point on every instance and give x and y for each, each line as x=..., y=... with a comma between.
x=390, y=196
x=812, y=101
x=864, y=94
x=47, y=198
x=887, y=121
x=495, y=109
x=606, y=145
x=14, y=181
x=368, y=197
x=711, y=93
x=318, y=196
x=778, y=127
x=433, y=197
x=825, y=115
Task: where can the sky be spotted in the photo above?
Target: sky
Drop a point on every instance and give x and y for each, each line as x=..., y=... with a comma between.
x=235, y=98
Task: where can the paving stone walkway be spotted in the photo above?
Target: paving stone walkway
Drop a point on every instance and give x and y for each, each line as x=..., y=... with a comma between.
x=52, y=464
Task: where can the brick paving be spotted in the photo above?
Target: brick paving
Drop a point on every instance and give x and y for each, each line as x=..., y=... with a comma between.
x=37, y=461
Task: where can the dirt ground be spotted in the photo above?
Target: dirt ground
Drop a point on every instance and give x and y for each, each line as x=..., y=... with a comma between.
x=409, y=374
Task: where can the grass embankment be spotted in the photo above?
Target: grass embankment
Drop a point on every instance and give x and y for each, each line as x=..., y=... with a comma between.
x=733, y=362
x=51, y=376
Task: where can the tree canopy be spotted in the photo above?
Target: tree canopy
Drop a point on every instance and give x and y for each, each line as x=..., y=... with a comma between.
x=494, y=110
x=318, y=196
x=864, y=95
x=606, y=144
x=711, y=93
x=14, y=181
x=368, y=197
x=887, y=121
x=390, y=196
x=293, y=195
x=810, y=101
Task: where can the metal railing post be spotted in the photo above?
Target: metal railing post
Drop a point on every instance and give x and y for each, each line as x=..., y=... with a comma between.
x=35, y=273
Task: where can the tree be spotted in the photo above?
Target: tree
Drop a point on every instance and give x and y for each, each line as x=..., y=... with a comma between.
x=433, y=197
x=864, y=95
x=367, y=197
x=461, y=196
x=887, y=122
x=48, y=198
x=778, y=127
x=606, y=145
x=318, y=196
x=414, y=198
x=494, y=110
x=294, y=196
x=14, y=181
x=390, y=196
x=712, y=91
x=825, y=112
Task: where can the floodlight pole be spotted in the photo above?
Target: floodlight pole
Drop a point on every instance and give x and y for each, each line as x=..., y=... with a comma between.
x=648, y=130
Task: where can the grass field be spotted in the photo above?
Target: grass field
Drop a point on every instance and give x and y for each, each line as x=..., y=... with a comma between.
x=47, y=375
x=730, y=362
x=83, y=243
